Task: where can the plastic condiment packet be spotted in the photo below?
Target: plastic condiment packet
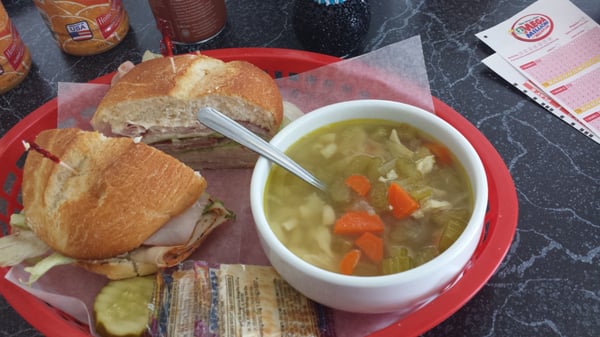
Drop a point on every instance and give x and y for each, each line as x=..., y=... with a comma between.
x=233, y=300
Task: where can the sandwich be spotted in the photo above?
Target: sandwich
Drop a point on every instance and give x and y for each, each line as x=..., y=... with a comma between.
x=158, y=100
x=111, y=205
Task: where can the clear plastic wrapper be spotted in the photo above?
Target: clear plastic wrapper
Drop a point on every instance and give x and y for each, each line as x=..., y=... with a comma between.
x=233, y=300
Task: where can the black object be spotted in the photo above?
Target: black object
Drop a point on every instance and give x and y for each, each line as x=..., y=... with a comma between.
x=331, y=27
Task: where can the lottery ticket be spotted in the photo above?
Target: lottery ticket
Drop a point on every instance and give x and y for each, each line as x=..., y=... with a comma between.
x=556, y=47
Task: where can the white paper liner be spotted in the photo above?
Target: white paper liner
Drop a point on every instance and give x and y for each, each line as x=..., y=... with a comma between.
x=396, y=72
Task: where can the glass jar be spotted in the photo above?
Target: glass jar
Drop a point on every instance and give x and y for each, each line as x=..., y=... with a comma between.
x=15, y=60
x=85, y=27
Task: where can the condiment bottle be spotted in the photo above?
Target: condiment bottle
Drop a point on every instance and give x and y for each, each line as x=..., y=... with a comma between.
x=85, y=27
x=15, y=59
x=334, y=27
x=187, y=24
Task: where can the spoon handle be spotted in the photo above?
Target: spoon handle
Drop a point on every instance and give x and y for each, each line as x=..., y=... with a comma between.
x=233, y=130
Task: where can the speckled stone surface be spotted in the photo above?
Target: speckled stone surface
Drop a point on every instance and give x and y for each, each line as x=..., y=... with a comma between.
x=549, y=282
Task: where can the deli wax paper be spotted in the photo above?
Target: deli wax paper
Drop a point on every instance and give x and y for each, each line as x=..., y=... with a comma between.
x=395, y=72
x=77, y=102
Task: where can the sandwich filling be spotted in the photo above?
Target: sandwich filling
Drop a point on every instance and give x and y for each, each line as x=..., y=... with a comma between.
x=171, y=244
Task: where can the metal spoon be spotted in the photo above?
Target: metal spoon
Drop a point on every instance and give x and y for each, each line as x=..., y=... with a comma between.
x=229, y=128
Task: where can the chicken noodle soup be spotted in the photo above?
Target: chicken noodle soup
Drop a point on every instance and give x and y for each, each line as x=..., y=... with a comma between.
x=396, y=198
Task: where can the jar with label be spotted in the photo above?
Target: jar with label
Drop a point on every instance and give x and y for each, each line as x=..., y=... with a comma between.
x=188, y=23
x=85, y=27
x=15, y=60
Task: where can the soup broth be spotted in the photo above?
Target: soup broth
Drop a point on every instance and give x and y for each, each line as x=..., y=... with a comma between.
x=396, y=198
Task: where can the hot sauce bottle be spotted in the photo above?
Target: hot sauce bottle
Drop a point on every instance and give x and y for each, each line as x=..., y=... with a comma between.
x=15, y=59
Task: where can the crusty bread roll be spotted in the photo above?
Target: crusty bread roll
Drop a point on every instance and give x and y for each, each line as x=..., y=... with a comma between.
x=118, y=194
x=158, y=100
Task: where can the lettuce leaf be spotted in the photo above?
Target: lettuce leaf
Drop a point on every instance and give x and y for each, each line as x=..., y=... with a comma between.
x=17, y=220
x=20, y=246
x=47, y=263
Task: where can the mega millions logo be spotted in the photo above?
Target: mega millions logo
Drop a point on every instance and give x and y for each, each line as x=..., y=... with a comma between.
x=532, y=27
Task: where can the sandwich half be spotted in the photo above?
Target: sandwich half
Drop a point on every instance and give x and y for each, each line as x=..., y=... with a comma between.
x=158, y=100
x=109, y=204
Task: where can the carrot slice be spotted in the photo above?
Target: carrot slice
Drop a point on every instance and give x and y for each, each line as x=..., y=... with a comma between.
x=358, y=222
x=371, y=245
x=359, y=183
x=401, y=202
x=441, y=152
x=349, y=261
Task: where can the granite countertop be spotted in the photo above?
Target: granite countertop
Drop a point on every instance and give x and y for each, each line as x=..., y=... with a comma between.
x=549, y=282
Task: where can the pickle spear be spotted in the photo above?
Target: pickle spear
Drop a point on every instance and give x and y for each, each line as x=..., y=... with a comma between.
x=121, y=307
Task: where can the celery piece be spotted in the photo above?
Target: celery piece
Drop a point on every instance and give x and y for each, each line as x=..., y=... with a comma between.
x=461, y=215
x=372, y=170
x=421, y=193
x=341, y=244
x=388, y=266
x=404, y=263
x=396, y=264
x=425, y=254
x=407, y=168
x=451, y=232
x=397, y=250
x=378, y=197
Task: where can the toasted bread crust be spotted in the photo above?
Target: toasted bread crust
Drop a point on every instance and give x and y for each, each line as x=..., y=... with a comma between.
x=118, y=269
x=118, y=194
x=163, y=95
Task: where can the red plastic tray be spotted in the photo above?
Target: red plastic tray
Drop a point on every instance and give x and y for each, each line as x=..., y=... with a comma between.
x=500, y=223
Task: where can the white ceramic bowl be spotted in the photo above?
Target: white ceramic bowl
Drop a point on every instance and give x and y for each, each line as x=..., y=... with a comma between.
x=403, y=291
